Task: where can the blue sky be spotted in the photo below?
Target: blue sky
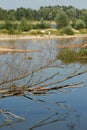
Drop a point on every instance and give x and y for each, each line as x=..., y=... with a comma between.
x=35, y=4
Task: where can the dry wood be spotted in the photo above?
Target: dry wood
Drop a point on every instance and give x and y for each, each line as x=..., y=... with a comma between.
x=21, y=91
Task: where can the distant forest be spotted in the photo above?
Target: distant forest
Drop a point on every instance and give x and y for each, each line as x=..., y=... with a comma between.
x=47, y=13
x=61, y=15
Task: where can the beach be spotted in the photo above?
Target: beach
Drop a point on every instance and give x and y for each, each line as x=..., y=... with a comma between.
x=26, y=37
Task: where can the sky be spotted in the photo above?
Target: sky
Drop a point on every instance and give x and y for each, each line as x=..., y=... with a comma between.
x=36, y=4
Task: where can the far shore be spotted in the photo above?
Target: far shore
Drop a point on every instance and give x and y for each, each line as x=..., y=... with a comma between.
x=27, y=37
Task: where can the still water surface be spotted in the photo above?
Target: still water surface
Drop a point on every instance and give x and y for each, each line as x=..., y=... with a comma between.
x=64, y=109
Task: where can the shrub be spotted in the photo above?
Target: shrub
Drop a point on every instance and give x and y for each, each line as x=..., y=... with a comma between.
x=41, y=25
x=67, y=30
x=83, y=31
x=67, y=55
x=79, y=25
x=4, y=31
x=70, y=56
x=35, y=32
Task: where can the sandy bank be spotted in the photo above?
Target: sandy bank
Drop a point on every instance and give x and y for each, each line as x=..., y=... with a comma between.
x=26, y=37
x=17, y=50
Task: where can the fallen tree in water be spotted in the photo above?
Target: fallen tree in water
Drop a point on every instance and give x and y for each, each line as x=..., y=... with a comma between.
x=40, y=87
x=23, y=77
x=21, y=91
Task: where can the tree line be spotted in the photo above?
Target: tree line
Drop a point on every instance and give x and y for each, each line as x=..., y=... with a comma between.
x=47, y=13
x=62, y=15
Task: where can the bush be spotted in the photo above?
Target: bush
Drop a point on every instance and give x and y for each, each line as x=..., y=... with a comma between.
x=83, y=31
x=67, y=55
x=35, y=32
x=67, y=30
x=79, y=25
x=43, y=25
x=4, y=31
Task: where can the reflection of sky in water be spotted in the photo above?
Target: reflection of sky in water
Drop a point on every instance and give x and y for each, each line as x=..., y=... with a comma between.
x=71, y=107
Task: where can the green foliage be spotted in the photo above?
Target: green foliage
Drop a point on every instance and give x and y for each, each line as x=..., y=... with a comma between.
x=3, y=14
x=35, y=32
x=67, y=55
x=71, y=12
x=41, y=25
x=20, y=13
x=79, y=24
x=83, y=31
x=67, y=30
x=9, y=26
x=83, y=52
x=63, y=15
x=70, y=56
x=47, y=13
x=62, y=19
x=11, y=15
x=84, y=16
x=23, y=24
x=5, y=31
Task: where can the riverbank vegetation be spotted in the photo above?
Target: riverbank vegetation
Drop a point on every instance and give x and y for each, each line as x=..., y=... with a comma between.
x=63, y=19
x=68, y=55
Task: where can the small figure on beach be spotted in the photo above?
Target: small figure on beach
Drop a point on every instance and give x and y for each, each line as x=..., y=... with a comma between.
x=49, y=33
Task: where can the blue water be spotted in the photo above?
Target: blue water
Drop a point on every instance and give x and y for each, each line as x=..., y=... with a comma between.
x=64, y=109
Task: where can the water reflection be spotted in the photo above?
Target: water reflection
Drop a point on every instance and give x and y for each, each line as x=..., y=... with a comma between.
x=9, y=124
x=50, y=120
x=44, y=80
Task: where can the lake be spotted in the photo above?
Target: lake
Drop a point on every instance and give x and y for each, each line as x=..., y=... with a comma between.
x=58, y=108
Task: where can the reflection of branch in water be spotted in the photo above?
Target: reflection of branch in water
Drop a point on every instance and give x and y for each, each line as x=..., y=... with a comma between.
x=51, y=119
x=41, y=103
x=10, y=123
x=10, y=118
x=71, y=126
x=40, y=86
x=5, y=113
x=55, y=116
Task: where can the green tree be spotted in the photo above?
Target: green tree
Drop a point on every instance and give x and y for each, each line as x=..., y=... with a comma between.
x=84, y=16
x=3, y=14
x=9, y=26
x=29, y=14
x=71, y=12
x=62, y=19
x=23, y=24
x=11, y=15
x=20, y=12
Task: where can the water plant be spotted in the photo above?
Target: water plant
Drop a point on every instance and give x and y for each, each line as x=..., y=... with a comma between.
x=71, y=55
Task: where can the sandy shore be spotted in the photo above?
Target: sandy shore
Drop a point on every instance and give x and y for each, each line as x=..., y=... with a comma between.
x=4, y=49
x=26, y=37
